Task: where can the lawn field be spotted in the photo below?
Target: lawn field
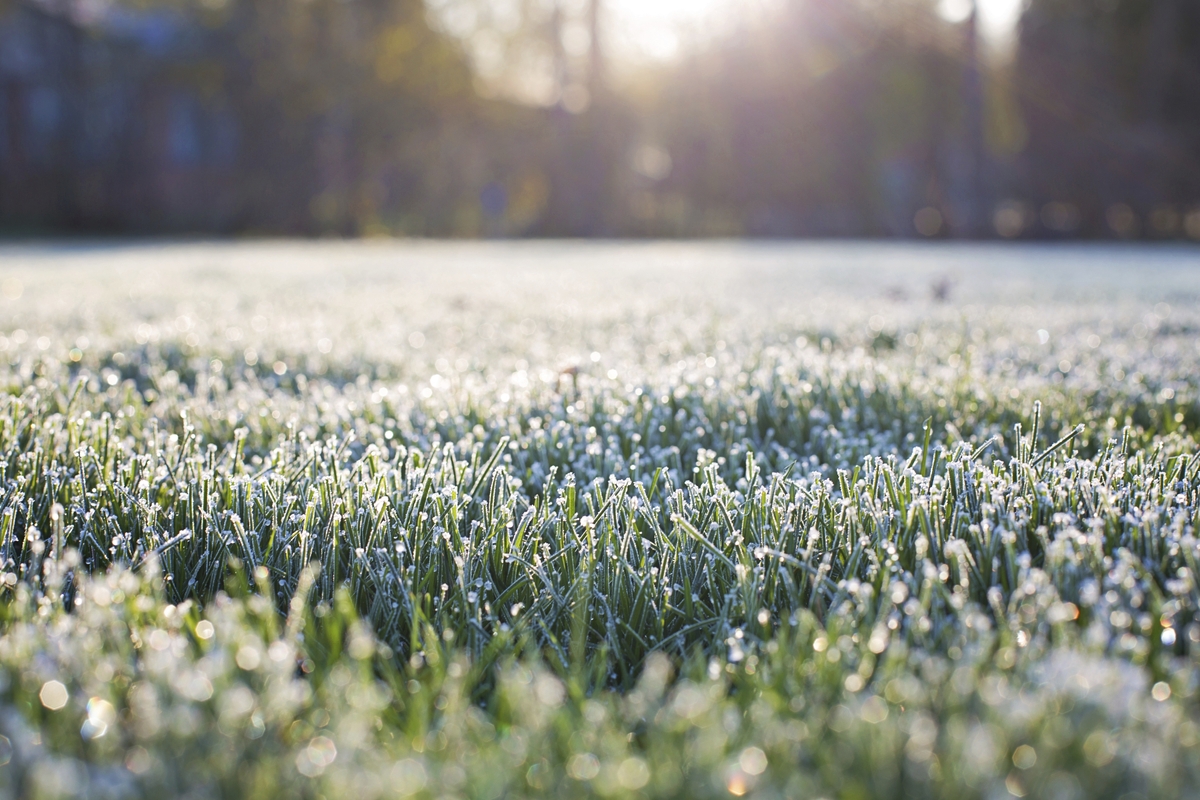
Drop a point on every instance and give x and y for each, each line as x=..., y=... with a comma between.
x=507, y=520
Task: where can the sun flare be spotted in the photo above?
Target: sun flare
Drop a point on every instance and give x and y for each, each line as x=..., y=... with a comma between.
x=657, y=28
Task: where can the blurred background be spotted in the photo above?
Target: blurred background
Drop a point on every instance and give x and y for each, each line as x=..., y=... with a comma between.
x=506, y=118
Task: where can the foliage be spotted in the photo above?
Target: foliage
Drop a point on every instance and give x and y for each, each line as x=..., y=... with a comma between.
x=474, y=118
x=325, y=93
x=1104, y=81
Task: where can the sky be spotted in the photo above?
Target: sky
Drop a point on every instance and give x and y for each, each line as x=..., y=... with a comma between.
x=655, y=29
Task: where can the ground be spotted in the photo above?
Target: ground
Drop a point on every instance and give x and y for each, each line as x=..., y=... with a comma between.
x=560, y=519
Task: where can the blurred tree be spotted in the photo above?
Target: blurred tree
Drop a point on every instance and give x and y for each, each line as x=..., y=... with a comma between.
x=549, y=54
x=490, y=117
x=1114, y=83
x=823, y=117
x=332, y=98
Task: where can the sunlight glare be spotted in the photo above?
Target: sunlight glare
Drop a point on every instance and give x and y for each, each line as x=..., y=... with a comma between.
x=997, y=18
x=954, y=11
x=657, y=28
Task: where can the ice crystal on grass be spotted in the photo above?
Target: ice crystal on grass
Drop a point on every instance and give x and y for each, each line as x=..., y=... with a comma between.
x=506, y=536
